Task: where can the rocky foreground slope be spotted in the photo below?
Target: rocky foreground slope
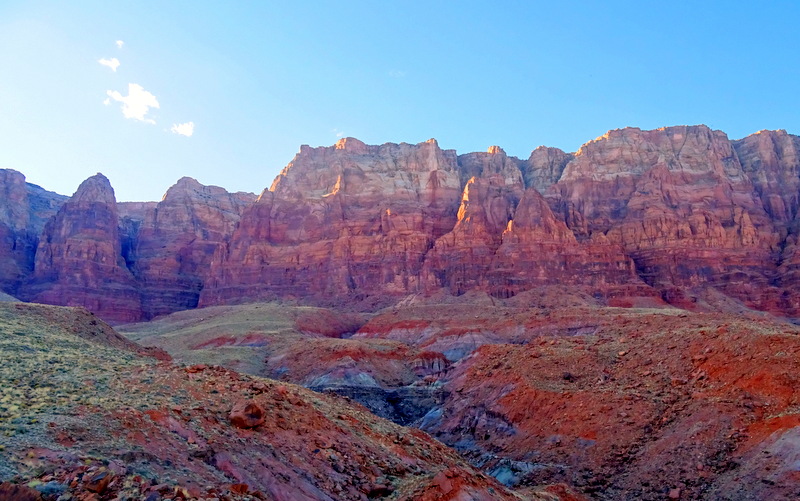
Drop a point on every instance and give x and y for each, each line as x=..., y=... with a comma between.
x=634, y=217
x=86, y=414
x=617, y=403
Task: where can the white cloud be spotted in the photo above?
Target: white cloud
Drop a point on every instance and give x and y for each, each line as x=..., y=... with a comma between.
x=337, y=132
x=137, y=103
x=119, y=43
x=107, y=101
x=397, y=73
x=112, y=63
x=186, y=129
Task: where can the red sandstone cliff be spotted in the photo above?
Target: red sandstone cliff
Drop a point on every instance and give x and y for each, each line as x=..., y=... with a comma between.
x=539, y=249
x=672, y=213
x=771, y=160
x=680, y=204
x=172, y=245
x=544, y=167
x=24, y=208
x=460, y=259
x=354, y=222
x=347, y=221
x=674, y=209
x=79, y=257
x=124, y=261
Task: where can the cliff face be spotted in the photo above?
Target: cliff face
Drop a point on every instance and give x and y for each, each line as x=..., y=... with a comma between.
x=507, y=240
x=342, y=222
x=460, y=259
x=24, y=208
x=15, y=242
x=172, y=243
x=544, y=167
x=663, y=214
x=124, y=261
x=79, y=257
x=771, y=160
x=353, y=221
x=682, y=206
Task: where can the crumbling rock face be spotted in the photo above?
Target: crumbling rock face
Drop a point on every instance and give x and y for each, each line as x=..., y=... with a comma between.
x=638, y=405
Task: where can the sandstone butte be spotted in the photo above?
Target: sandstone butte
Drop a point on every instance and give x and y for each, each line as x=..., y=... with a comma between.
x=633, y=217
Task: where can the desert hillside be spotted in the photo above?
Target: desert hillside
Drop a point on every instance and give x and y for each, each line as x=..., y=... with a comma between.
x=85, y=414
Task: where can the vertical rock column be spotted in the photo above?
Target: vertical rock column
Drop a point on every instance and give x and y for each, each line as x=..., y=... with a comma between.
x=79, y=258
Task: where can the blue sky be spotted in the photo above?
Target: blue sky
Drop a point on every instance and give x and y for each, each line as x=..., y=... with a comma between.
x=258, y=79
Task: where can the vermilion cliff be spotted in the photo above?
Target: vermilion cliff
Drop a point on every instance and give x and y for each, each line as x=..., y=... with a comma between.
x=634, y=217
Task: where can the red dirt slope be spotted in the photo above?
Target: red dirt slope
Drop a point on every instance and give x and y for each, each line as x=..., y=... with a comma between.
x=93, y=421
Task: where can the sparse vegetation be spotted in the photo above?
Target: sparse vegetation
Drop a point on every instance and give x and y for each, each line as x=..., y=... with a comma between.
x=98, y=420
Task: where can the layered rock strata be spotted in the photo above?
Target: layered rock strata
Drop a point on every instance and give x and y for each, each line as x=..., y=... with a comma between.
x=79, y=257
x=347, y=221
x=172, y=245
x=679, y=214
x=354, y=221
x=682, y=206
x=24, y=208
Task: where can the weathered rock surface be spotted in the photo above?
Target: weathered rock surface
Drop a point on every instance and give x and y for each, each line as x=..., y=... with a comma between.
x=79, y=257
x=24, y=208
x=680, y=213
x=341, y=223
x=619, y=403
x=680, y=204
x=246, y=414
x=357, y=222
x=14, y=237
x=544, y=167
x=538, y=249
x=771, y=159
x=493, y=163
x=461, y=258
x=167, y=246
x=135, y=211
x=172, y=243
x=303, y=345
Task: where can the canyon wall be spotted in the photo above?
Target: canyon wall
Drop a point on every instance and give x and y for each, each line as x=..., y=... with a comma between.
x=662, y=215
x=24, y=209
x=79, y=259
